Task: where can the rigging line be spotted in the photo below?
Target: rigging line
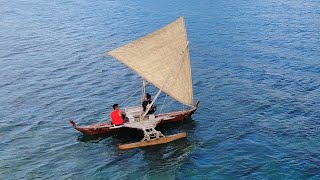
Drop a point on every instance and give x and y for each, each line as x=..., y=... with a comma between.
x=130, y=96
x=183, y=106
x=163, y=103
x=166, y=79
x=121, y=104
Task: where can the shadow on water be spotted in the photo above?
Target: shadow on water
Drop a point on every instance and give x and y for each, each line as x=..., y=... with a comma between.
x=145, y=162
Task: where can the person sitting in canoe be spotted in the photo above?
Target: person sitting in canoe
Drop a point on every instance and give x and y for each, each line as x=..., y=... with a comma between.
x=147, y=100
x=117, y=116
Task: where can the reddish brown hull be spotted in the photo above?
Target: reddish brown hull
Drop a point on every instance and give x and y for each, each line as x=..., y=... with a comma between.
x=106, y=128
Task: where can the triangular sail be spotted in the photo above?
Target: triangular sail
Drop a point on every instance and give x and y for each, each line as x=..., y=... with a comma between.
x=163, y=59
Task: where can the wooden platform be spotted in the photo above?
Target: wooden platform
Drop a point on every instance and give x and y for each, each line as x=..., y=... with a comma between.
x=153, y=142
x=143, y=124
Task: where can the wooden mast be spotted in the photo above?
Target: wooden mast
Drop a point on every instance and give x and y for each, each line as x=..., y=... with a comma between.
x=144, y=84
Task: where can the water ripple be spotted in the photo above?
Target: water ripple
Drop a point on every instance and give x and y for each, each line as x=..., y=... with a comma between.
x=255, y=69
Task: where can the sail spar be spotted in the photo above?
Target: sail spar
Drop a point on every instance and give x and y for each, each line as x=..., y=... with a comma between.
x=163, y=59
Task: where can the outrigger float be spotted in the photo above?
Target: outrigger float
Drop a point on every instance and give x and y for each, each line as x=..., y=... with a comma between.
x=161, y=58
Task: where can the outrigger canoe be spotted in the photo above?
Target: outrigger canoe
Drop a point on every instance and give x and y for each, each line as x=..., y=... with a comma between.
x=162, y=59
x=109, y=128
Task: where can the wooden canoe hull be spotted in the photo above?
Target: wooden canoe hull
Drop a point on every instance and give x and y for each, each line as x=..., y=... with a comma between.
x=153, y=142
x=108, y=128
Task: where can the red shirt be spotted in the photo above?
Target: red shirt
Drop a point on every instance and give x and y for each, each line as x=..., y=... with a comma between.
x=116, y=118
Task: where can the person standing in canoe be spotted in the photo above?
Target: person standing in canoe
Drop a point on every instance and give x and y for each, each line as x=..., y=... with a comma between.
x=147, y=100
x=117, y=115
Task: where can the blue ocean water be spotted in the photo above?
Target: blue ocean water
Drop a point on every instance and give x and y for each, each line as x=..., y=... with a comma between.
x=256, y=70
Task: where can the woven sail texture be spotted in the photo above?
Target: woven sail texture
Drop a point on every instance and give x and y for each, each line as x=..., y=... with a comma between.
x=163, y=59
